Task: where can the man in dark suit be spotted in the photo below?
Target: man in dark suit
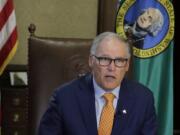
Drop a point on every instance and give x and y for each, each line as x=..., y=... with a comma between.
x=83, y=106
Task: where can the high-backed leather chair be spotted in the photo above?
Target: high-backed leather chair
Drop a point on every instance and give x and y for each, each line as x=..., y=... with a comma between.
x=52, y=62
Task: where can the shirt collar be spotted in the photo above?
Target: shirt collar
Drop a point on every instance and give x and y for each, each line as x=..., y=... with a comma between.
x=99, y=92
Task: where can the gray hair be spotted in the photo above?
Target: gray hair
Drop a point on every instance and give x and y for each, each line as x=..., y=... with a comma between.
x=157, y=23
x=108, y=35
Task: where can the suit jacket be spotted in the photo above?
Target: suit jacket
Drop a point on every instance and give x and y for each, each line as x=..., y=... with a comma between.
x=72, y=110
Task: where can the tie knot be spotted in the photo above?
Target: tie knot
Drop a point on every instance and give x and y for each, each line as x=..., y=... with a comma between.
x=109, y=97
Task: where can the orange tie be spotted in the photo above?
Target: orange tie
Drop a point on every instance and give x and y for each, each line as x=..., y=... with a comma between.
x=107, y=115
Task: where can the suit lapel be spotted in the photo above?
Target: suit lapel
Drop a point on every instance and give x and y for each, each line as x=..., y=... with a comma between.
x=124, y=106
x=86, y=100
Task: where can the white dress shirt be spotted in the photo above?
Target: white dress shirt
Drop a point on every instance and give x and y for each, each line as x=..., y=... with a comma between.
x=100, y=101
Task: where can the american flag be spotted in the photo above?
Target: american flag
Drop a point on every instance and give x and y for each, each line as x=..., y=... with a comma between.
x=8, y=33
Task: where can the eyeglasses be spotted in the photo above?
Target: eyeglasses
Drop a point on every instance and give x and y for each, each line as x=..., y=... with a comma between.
x=105, y=61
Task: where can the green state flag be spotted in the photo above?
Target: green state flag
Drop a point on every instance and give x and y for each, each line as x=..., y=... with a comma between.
x=149, y=26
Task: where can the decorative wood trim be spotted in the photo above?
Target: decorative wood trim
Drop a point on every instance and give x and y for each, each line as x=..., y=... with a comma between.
x=107, y=10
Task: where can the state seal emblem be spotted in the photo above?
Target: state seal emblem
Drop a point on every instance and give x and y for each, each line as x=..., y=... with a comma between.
x=149, y=26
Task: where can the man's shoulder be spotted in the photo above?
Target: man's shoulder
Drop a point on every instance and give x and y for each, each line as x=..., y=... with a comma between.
x=137, y=88
x=74, y=84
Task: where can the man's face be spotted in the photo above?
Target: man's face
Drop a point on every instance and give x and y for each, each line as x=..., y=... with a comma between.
x=146, y=19
x=109, y=77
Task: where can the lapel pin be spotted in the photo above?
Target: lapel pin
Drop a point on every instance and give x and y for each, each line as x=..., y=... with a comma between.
x=124, y=111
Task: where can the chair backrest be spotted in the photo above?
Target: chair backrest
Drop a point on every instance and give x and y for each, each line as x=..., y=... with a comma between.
x=52, y=62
